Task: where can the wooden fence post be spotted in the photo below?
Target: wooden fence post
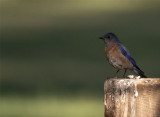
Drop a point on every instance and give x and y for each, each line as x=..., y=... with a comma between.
x=132, y=97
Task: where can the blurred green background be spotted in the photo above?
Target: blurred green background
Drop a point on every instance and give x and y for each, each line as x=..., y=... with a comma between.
x=52, y=62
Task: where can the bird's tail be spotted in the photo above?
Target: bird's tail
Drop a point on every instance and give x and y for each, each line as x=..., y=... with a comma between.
x=137, y=70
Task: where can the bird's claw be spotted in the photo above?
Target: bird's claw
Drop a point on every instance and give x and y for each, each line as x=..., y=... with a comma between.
x=134, y=77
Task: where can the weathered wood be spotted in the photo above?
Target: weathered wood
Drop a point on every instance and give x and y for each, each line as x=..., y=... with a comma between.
x=132, y=97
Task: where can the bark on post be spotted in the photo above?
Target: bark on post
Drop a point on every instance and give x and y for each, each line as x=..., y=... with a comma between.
x=132, y=97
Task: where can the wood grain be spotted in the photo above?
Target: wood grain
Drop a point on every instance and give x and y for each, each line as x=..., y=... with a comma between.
x=132, y=97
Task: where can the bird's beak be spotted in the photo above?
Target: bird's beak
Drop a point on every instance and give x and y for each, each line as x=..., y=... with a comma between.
x=101, y=37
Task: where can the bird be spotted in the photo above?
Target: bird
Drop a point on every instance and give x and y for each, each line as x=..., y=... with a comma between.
x=119, y=56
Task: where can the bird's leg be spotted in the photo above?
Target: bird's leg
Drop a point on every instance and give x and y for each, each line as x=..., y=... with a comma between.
x=116, y=73
x=124, y=73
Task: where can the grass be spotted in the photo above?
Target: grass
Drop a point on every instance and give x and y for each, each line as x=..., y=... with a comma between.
x=50, y=107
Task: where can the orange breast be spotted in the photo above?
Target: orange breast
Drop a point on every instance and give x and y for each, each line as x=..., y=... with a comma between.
x=116, y=58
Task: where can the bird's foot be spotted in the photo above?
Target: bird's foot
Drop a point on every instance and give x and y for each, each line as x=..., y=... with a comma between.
x=134, y=77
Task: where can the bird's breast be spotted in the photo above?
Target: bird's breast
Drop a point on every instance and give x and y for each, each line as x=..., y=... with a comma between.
x=116, y=58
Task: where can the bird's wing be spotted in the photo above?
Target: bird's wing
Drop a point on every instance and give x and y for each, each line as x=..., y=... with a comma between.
x=126, y=53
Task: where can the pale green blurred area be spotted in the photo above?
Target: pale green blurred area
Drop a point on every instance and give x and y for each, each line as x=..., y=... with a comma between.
x=50, y=107
x=52, y=62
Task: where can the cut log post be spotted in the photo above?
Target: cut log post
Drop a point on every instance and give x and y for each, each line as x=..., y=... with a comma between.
x=132, y=97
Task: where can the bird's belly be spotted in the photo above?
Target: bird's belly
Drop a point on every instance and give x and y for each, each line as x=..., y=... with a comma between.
x=118, y=60
x=115, y=63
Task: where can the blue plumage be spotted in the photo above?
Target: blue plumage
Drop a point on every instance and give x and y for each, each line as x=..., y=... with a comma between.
x=126, y=53
x=112, y=34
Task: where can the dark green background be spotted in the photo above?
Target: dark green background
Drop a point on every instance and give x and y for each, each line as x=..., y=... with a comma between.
x=51, y=47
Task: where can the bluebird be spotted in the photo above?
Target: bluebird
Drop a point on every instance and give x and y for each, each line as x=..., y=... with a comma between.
x=119, y=56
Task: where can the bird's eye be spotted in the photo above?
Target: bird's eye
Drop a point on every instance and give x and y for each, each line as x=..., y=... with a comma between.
x=108, y=37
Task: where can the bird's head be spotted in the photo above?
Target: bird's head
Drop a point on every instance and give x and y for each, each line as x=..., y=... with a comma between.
x=110, y=38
